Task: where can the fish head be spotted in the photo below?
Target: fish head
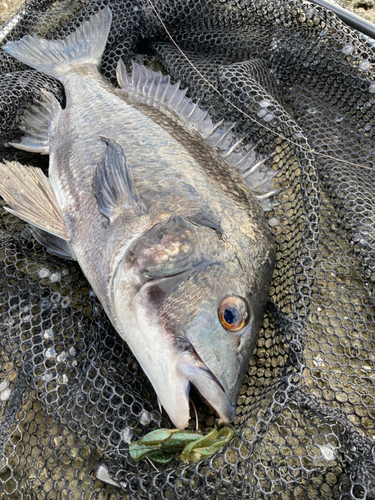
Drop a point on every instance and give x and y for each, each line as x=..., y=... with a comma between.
x=191, y=312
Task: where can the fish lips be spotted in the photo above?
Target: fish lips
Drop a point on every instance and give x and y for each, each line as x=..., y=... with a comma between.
x=172, y=374
x=192, y=368
x=170, y=370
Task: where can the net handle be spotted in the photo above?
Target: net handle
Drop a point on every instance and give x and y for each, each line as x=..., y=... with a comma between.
x=349, y=18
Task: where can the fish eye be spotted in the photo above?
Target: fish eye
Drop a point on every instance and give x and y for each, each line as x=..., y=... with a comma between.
x=233, y=313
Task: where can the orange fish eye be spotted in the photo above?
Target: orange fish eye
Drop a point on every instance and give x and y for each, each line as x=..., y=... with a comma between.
x=233, y=313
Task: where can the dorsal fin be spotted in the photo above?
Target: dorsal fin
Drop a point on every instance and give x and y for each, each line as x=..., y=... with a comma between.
x=157, y=88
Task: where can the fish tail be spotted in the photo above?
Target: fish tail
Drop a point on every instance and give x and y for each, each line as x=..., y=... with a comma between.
x=52, y=57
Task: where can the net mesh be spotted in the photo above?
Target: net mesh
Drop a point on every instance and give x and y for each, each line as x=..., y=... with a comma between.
x=72, y=396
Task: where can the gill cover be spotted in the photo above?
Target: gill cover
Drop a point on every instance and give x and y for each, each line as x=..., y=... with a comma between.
x=167, y=294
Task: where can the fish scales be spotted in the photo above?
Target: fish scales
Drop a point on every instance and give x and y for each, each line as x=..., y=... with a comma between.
x=167, y=159
x=172, y=240
x=74, y=184
x=145, y=143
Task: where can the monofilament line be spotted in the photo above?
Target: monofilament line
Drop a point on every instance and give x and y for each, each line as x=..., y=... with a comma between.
x=306, y=150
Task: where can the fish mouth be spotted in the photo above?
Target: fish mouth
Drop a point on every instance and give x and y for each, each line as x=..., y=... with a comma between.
x=191, y=367
x=170, y=369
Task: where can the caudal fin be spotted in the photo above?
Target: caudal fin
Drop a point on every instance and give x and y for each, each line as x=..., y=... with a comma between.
x=52, y=57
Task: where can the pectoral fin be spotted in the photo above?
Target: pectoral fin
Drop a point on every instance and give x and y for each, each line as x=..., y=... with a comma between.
x=206, y=218
x=30, y=196
x=113, y=184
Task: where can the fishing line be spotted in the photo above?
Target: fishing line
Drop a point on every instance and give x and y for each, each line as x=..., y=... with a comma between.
x=152, y=464
x=277, y=134
x=196, y=414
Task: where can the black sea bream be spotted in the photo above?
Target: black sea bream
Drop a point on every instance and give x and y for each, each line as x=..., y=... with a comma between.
x=172, y=240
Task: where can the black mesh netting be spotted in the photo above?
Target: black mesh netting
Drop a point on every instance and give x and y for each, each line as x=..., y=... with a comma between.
x=73, y=397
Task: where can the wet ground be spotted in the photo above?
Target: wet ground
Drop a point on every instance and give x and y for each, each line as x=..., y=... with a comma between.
x=8, y=7
x=363, y=8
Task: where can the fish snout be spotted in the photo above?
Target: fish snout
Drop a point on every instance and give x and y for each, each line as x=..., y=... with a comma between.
x=191, y=367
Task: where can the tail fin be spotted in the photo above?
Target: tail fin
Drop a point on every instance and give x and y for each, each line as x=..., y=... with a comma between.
x=85, y=45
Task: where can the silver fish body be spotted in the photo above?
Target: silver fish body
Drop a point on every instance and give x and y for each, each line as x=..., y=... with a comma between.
x=170, y=237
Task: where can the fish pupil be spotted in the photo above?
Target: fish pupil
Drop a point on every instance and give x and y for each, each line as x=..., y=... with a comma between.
x=231, y=315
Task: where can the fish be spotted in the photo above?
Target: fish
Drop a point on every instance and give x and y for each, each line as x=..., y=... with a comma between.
x=162, y=209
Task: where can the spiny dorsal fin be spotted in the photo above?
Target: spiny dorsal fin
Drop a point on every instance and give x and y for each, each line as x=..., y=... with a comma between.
x=157, y=88
x=30, y=196
x=259, y=179
x=113, y=183
x=36, y=122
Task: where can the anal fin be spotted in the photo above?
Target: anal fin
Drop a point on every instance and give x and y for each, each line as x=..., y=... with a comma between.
x=36, y=122
x=30, y=196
